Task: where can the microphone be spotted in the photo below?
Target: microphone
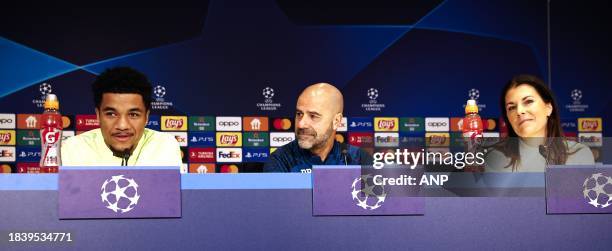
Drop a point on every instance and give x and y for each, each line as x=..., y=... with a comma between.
x=345, y=155
x=543, y=149
x=124, y=155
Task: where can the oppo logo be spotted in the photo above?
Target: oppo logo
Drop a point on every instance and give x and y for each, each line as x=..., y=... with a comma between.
x=282, y=139
x=6, y=121
x=228, y=123
x=437, y=124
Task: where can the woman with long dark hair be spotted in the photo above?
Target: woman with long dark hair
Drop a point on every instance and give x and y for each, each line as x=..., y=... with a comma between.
x=535, y=138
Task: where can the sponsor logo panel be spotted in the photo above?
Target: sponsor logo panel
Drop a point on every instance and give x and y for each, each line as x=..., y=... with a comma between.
x=229, y=139
x=256, y=154
x=28, y=137
x=174, y=123
x=28, y=121
x=591, y=139
x=86, y=122
x=589, y=124
x=278, y=139
x=281, y=124
x=201, y=168
x=181, y=137
x=202, y=123
x=256, y=139
x=200, y=154
x=28, y=154
x=361, y=139
x=201, y=138
x=154, y=122
x=225, y=124
x=7, y=137
x=386, y=139
x=7, y=154
x=412, y=124
x=437, y=139
x=7, y=121
x=225, y=155
x=386, y=124
x=256, y=124
x=437, y=124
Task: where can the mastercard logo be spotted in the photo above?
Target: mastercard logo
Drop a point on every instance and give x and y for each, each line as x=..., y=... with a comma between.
x=65, y=122
x=282, y=124
x=5, y=168
x=490, y=124
x=340, y=138
x=229, y=169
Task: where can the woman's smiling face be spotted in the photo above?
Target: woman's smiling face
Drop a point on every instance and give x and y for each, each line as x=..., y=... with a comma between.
x=527, y=111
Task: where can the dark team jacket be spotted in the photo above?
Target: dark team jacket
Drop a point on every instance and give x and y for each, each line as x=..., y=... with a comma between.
x=292, y=158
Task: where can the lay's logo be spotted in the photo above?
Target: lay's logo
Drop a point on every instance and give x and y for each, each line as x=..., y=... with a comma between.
x=174, y=123
x=7, y=137
x=386, y=124
x=437, y=139
x=229, y=139
x=589, y=124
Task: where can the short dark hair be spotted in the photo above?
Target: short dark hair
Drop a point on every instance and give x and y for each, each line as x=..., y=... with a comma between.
x=122, y=80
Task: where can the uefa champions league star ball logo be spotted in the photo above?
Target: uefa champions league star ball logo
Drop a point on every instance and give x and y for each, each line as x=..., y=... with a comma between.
x=268, y=93
x=597, y=190
x=159, y=91
x=576, y=95
x=45, y=89
x=474, y=94
x=371, y=196
x=120, y=194
x=372, y=94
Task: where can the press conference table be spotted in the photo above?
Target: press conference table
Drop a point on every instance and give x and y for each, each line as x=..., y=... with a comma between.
x=274, y=211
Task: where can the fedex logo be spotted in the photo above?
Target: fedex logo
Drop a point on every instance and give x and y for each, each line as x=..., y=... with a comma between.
x=229, y=154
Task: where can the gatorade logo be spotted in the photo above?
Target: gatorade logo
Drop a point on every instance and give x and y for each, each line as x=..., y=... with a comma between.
x=50, y=136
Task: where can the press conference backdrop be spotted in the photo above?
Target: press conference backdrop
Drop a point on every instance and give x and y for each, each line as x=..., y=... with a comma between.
x=226, y=75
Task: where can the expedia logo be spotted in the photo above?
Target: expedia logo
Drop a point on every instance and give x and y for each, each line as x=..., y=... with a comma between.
x=589, y=124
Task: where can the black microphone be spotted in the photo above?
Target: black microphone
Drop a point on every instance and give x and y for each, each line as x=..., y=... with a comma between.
x=544, y=152
x=124, y=155
x=345, y=155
